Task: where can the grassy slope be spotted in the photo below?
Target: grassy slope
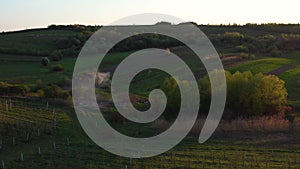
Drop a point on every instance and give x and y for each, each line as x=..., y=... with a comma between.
x=40, y=40
x=262, y=65
x=29, y=72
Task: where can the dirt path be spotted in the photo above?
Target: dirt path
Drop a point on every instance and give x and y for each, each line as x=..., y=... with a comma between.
x=281, y=70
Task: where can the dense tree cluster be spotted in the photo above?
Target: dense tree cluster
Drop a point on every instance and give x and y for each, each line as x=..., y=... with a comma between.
x=248, y=95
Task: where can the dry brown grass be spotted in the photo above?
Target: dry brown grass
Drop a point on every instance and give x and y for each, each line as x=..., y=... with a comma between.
x=260, y=124
x=265, y=124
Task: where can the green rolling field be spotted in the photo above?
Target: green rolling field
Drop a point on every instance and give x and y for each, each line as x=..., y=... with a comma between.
x=63, y=144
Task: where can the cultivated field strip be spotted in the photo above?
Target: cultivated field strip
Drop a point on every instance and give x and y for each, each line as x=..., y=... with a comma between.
x=21, y=123
x=66, y=147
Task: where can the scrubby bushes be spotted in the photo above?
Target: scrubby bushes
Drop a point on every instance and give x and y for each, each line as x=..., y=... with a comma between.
x=247, y=56
x=232, y=37
x=64, y=82
x=273, y=45
x=56, y=56
x=13, y=89
x=242, y=48
x=45, y=61
x=298, y=82
x=40, y=93
x=54, y=91
x=57, y=68
x=276, y=53
x=252, y=56
x=39, y=84
x=244, y=55
x=290, y=42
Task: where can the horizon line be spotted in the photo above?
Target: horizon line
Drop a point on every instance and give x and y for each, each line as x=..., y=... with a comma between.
x=95, y=25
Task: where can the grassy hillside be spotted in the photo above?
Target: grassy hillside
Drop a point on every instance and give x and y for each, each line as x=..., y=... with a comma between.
x=259, y=143
x=262, y=65
x=41, y=42
x=29, y=72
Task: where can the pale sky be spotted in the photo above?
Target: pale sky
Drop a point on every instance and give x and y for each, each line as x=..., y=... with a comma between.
x=22, y=14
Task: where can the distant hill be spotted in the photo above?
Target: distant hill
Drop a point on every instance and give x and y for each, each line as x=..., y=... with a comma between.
x=69, y=39
x=43, y=42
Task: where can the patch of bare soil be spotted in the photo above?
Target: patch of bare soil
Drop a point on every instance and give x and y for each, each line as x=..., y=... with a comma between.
x=281, y=70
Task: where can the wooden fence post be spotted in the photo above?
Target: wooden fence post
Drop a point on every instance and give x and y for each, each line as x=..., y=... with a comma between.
x=38, y=132
x=6, y=105
x=10, y=104
x=39, y=150
x=27, y=137
x=54, y=122
x=68, y=141
x=22, y=157
x=14, y=140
